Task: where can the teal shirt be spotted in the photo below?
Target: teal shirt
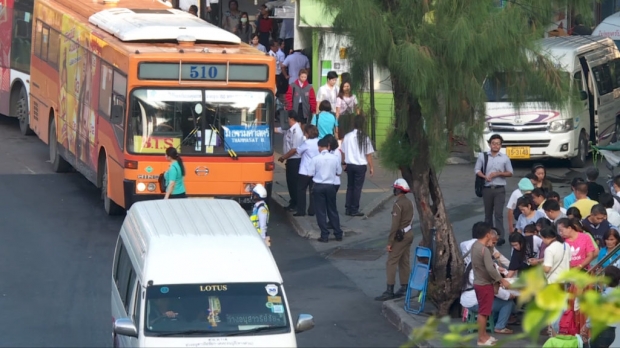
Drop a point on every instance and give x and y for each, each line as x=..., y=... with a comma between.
x=174, y=174
x=327, y=123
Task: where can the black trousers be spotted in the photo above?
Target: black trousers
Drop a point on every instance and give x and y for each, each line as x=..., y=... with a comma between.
x=325, y=206
x=178, y=195
x=605, y=338
x=329, y=222
x=288, y=46
x=304, y=183
x=263, y=38
x=281, y=85
x=292, y=173
x=355, y=182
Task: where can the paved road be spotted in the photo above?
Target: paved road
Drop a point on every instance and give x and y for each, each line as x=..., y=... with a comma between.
x=56, y=249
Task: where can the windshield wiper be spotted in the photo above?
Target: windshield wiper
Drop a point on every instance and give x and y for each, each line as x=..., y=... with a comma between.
x=231, y=152
x=257, y=329
x=189, y=332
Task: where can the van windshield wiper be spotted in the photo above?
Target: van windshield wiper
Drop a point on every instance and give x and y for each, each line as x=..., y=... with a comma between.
x=190, y=332
x=257, y=329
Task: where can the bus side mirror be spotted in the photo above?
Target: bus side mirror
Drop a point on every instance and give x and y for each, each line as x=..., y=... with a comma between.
x=583, y=95
x=117, y=114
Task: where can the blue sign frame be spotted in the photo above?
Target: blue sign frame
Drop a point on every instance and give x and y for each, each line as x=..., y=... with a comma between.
x=247, y=138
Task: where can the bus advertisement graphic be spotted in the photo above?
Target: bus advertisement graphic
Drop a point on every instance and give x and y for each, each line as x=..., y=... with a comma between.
x=6, y=30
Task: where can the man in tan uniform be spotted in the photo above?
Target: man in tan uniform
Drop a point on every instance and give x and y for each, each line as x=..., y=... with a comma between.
x=399, y=242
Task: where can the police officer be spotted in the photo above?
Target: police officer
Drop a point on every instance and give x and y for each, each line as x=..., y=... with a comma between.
x=260, y=212
x=399, y=242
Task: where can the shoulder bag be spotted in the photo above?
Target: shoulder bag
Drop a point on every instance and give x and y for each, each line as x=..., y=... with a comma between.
x=479, y=183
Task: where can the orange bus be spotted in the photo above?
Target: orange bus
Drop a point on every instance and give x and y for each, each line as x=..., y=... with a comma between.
x=114, y=83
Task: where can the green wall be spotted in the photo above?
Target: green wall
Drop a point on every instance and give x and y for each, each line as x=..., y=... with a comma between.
x=384, y=104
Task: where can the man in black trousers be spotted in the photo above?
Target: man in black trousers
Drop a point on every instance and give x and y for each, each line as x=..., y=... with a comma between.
x=293, y=138
x=324, y=169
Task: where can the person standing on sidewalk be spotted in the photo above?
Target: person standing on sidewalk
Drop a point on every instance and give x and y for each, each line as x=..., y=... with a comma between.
x=300, y=97
x=498, y=168
x=333, y=149
x=328, y=91
x=292, y=141
x=308, y=150
x=324, y=169
x=357, y=150
x=486, y=278
x=399, y=243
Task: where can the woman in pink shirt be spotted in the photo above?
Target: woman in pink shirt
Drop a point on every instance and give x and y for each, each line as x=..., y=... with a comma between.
x=582, y=245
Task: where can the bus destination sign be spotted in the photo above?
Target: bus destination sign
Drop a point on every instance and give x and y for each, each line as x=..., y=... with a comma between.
x=203, y=72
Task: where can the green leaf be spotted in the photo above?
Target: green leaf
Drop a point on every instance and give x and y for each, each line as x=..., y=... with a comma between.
x=552, y=298
x=530, y=282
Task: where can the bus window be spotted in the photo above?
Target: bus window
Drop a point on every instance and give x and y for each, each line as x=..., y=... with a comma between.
x=105, y=93
x=239, y=120
x=37, y=39
x=45, y=37
x=54, y=48
x=21, y=41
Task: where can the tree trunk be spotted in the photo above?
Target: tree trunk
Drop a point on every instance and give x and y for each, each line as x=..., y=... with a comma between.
x=445, y=283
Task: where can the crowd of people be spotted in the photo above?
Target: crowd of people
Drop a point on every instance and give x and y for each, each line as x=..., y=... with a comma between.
x=580, y=234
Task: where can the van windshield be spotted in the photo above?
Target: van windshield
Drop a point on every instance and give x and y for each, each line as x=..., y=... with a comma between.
x=215, y=310
x=496, y=88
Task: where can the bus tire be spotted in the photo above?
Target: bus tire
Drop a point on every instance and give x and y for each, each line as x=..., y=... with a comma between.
x=59, y=164
x=20, y=109
x=579, y=161
x=110, y=207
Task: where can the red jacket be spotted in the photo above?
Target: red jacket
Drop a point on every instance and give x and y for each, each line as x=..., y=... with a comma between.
x=290, y=103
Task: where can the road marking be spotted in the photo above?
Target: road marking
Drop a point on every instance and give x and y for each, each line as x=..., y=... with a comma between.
x=30, y=170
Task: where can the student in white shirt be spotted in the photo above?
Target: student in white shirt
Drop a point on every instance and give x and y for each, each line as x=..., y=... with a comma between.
x=333, y=149
x=357, y=150
x=328, y=91
x=308, y=150
x=293, y=139
x=346, y=102
x=607, y=200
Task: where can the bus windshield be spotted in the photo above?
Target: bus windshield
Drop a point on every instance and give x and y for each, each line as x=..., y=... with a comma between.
x=200, y=121
x=215, y=309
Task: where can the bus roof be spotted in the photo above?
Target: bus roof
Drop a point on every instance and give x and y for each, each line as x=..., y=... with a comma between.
x=148, y=26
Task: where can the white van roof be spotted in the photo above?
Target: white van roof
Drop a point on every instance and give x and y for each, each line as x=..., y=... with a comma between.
x=609, y=27
x=564, y=49
x=191, y=241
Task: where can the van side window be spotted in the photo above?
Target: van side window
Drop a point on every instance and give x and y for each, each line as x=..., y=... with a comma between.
x=602, y=76
x=137, y=305
x=131, y=285
x=578, y=78
x=117, y=255
x=122, y=275
x=614, y=66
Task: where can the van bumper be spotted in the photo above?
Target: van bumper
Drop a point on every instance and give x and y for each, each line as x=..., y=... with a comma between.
x=541, y=144
x=131, y=197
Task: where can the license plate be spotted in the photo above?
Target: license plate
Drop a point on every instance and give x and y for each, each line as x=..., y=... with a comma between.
x=518, y=152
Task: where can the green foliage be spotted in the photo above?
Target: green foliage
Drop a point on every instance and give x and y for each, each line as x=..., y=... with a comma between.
x=442, y=62
x=544, y=305
x=396, y=151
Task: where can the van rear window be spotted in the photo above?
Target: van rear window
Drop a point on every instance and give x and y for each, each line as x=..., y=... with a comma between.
x=234, y=309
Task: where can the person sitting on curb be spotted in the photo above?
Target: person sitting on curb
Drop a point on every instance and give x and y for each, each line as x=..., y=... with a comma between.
x=399, y=242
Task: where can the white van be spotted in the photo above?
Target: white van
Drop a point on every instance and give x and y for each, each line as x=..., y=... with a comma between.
x=539, y=131
x=609, y=27
x=195, y=273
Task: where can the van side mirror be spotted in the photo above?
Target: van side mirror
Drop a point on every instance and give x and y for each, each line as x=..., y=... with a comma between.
x=117, y=114
x=305, y=322
x=583, y=95
x=125, y=327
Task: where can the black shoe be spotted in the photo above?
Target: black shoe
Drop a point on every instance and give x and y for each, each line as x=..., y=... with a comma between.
x=501, y=241
x=401, y=292
x=322, y=240
x=290, y=208
x=310, y=214
x=387, y=295
x=297, y=214
x=359, y=213
x=338, y=239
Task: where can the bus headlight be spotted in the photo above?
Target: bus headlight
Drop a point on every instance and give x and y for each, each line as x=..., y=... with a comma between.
x=561, y=126
x=141, y=187
x=151, y=187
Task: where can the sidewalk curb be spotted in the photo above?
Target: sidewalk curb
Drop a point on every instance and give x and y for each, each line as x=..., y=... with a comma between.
x=394, y=312
x=301, y=227
x=377, y=204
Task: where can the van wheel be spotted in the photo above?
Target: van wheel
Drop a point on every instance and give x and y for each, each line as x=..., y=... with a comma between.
x=21, y=111
x=579, y=161
x=59, y=164
x=110, y=207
